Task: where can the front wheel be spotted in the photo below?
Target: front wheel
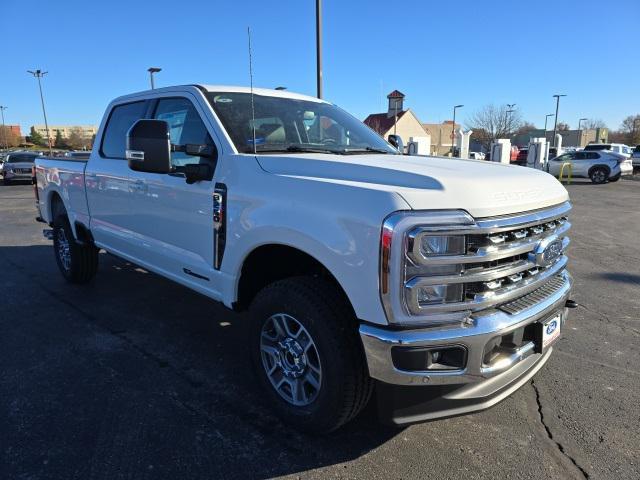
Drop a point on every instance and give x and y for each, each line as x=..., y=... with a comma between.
x=77, y=262
x=307, y=354
x=598, y=175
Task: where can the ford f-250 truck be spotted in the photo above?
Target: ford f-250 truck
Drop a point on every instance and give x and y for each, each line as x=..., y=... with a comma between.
x=440, y=284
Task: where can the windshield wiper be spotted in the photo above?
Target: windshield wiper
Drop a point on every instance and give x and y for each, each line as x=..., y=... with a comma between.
x=348, y=151
x=299, y=149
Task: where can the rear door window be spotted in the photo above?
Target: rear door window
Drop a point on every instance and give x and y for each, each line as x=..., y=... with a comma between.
x=122, y=117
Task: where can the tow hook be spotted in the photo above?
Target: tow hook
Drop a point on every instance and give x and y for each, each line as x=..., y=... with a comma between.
x=47, y=233
x=571, y=304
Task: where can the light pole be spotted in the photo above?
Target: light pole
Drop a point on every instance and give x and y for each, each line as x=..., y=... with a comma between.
x=546, y=117
x=151, y=71
x=39, y=74
x=555, y=120
x=509, y=111
x=319, y=47
x=580, y=131
x=453, y=128
x=4, y=131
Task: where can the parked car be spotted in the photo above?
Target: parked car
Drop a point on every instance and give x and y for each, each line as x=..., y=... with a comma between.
x=442, y=284
x=613, y=147
x=521, y=159
x=17, y=166
x=600, y=166
x=635, y=157
x=477, y=155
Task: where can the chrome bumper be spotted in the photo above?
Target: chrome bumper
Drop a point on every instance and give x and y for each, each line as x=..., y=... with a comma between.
x=378, y=343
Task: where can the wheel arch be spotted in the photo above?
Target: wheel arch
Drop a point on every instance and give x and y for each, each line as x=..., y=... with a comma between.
x=607, y=168
x=271, y=262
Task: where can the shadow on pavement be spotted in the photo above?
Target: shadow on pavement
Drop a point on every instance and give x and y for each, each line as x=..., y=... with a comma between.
x=621, y=277
x=134, y=374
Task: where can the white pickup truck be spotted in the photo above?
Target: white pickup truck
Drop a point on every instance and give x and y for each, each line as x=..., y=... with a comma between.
x=437, y=283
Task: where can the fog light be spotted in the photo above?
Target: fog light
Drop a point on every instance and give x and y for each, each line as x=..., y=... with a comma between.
x=429, y=358
x=431, y=245
x=434, y=294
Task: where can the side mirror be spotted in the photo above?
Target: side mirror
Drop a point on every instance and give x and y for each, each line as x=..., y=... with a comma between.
x=149, y=147
x=396, y=141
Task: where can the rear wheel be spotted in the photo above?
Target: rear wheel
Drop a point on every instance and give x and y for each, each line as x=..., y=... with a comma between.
x=6, y=182
x=77, y=262
x=598, y=175
x=307, y=354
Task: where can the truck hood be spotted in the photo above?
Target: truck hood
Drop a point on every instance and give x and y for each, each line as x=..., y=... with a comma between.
x=484, y=189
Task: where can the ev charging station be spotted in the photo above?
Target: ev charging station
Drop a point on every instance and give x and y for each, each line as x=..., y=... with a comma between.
x=538, y=153
x=419, y=146
x=501, y=151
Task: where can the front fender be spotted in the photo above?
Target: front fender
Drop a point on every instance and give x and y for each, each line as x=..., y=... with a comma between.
x=340, y=229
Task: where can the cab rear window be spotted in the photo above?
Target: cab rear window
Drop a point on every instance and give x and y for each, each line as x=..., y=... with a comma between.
x=122, y=117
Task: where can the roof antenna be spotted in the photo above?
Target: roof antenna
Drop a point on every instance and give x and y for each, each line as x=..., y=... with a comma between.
x=253, y=111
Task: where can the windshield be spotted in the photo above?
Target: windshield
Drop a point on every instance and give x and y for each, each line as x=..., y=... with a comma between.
x=292, y=125
x=21, y=158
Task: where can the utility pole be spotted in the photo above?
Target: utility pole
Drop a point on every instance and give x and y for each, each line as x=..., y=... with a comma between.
x=151, y=71
x=580, y=131
x=453, y=129
x=4, y=131
x=555, y=120
x=39, y=74
x=319, y=47
x=545, y=123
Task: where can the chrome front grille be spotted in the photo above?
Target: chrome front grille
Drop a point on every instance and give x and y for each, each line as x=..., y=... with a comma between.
x=505, y=258
x=527, y=301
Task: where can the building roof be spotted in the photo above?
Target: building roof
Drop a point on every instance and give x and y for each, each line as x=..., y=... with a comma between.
x=396, y=94
x=381, y=122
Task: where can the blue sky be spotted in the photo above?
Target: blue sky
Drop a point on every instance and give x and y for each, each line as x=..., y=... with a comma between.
x=437, y=53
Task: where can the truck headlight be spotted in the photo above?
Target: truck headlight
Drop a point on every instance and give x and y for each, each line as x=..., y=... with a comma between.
x=431, y=245
x=418, y=267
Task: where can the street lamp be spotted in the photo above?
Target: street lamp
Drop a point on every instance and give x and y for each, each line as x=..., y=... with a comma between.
x=580, y=131
x=546, y=117
x=151, y=71
x=4, y=131
x=453, y=128
x=509, y=111
x=39, y=74
x=555, y=120
x=319, y=47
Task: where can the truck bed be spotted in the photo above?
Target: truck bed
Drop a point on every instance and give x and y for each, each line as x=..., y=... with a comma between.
x=65, y=177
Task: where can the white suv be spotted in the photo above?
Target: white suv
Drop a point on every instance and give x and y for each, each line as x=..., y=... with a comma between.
x=600, y=166
x=620, y=148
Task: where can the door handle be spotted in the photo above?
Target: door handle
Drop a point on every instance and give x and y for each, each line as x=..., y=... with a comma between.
x=138, y=186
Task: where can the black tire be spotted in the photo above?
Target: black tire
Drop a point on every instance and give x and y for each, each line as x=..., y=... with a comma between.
x=6, y=182
x=599, y=175
x=345, y=386
x=81, y=262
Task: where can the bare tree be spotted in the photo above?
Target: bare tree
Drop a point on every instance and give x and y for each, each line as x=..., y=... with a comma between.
x=492, y=122
x=631, y=129
x=563, y=127
x=77, y=139
x=593, y=123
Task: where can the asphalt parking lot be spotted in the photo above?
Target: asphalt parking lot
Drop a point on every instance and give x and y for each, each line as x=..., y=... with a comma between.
x=136, y=377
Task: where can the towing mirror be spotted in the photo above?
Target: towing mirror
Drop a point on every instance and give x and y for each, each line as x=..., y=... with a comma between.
x=149, y=147
x=396, y=141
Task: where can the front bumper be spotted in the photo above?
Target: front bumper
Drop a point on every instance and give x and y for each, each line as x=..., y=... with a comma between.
x=410, y=396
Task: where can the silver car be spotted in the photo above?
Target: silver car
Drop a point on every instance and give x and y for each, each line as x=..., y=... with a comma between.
x=600, y=166
x=17, y=166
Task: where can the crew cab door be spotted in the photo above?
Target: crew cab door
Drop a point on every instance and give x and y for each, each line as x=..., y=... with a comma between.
x=107, y=180
x=173, y=220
